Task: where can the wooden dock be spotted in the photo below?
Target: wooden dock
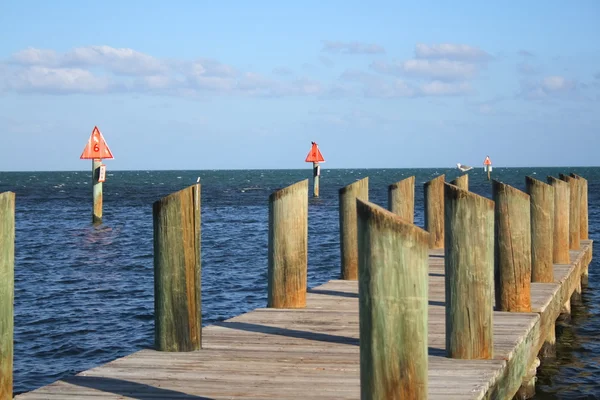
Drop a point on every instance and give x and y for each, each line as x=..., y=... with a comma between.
x=313, y=352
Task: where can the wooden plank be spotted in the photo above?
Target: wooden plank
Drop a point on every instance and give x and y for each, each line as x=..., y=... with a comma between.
x=314, y=352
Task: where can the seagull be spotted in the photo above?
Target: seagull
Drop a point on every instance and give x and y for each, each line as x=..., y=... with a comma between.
x=463, y=168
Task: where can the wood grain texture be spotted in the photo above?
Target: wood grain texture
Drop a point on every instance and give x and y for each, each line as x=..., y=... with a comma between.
x=583, y=207
x=541, y=196
x=560, y=242
x=462, y=182
x=393, y=305
x=512, y=248
x=314, y=353
x=96, y=192
x=7, y=289
x=288, y=246
x=469, y=261
x=434, y=211
x=574, y=206
x=177, y=271
x=401, y=199
x=348, y=226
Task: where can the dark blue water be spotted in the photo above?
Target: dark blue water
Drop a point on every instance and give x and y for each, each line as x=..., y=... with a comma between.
x=84, y=294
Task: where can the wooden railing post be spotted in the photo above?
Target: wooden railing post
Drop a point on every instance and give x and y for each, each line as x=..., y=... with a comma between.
x=541, y=196
x=462, y=182
x=434, y=211
x=288, y=246
x=401, y=199
x=393, y=305
x=469, y=263
x=560, y=243
x=348, y=236
x=583, y=207
x=7, y=292
x=574, y=218
x=177, y=271
x=512, y=248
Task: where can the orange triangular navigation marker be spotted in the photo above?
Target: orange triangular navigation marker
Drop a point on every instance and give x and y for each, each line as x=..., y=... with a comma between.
x=96, y=147
x=487, y=161
x=314, y=155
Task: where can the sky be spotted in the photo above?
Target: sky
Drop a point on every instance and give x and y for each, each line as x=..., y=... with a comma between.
x=249, y=84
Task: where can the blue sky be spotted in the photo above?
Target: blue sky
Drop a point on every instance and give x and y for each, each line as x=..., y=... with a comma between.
x=235, y=85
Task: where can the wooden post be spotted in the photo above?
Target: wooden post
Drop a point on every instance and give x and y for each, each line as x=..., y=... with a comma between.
x=462, y=182
x=177, y=271
x=583, y=208
x=541, y=196
x=560, y=242
x=316, y=175
x=96, y=192
x=288, y=246
x=7, y=284
x=574, y=218
x=434, y=211
x=393, y=305
x=512, y=248
x=583, y=220
x=348, y=236
x=401, y=199
x=469, y=263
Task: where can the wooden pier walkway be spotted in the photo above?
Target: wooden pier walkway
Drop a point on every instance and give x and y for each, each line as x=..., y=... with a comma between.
x=313, y=353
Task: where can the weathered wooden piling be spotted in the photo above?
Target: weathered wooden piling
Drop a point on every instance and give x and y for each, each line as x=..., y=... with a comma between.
x=560, y=242
x=469, y=264
x=462, y=182
x=541, y=196
x=434, y=211
x=177, y=271
x=583, y=207
x=288, y=246
x=393, y=305
x=512, y=248
x=401, y=199
x=583, y=218
x=348, y=236
x=7, y=285
x=96, y=192
x=574, y=217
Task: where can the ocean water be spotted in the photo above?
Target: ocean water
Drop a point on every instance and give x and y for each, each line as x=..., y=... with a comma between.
x=84, y=294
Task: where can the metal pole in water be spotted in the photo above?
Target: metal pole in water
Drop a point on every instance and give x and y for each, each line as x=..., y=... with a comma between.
x=316, y=173
x=96, y=191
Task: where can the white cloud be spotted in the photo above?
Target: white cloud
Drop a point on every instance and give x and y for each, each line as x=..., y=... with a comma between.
x=352, y=47
x=282, y=71
x=437, y=88
x=451, y=52
x=525, y=53
x=57, y=80
x=32, y=56
x=547, y=87
x=557, y=83
x=431, y=69
x=121, y=61
x=528, y=69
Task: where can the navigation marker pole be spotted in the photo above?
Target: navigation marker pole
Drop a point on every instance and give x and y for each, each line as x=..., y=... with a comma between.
x=315, y=156
x=96, y=149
